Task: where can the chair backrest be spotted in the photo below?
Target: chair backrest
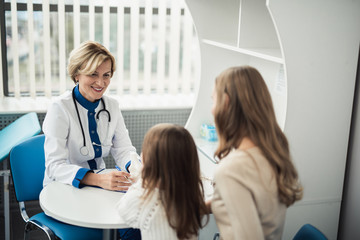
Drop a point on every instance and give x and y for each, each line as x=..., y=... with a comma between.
x=27, y=164
x=309, y=232
x=22, y=128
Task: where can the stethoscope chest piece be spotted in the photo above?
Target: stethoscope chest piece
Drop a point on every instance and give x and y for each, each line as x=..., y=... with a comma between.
x=84, y=151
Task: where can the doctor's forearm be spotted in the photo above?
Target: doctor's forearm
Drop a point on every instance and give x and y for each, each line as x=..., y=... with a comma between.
x=92, y=179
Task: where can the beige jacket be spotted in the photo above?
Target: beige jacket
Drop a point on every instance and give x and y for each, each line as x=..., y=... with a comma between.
x=245, y=202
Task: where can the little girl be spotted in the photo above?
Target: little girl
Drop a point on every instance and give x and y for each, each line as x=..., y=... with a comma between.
x=167, y=202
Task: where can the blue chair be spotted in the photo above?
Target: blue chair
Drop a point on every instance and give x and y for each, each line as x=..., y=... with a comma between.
x=24, y=127
x=309, y=232
x=27, y=164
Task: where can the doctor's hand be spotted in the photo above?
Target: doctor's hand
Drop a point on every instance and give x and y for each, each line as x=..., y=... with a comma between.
x=114, y=180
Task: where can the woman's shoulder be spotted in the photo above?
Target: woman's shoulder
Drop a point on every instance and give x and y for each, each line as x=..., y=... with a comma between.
x=60, y=103
x=64, y=98
x=248, y=167
x=242, y=162
x=240, y=157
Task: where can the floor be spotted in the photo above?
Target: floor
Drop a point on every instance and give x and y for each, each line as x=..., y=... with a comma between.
x=17, y=224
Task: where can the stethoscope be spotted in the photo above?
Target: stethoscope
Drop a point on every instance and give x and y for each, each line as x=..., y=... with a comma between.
x=84, y=150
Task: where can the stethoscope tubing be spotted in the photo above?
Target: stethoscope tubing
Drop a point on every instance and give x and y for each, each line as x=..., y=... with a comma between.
x=83, y=150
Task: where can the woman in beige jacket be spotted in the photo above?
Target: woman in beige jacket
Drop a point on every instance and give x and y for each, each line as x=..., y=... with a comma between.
x=255, y=180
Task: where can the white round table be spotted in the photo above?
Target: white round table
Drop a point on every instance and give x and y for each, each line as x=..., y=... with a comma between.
x=86, y=207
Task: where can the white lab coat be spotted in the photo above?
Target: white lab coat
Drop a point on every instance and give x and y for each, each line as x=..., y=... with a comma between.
x=63, y=138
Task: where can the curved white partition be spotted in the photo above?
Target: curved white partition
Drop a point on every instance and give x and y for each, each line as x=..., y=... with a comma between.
x=232, y=33
x=307, y=53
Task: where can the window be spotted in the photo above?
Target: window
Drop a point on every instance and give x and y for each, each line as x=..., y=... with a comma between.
x=154, y=43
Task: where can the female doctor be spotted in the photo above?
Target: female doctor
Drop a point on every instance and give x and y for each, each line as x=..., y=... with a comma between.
x=83, y=126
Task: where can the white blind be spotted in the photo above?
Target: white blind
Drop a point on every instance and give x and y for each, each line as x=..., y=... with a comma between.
x=31, y=63
x=153, y=42
x=92, y=20
x=62, y=46
x=161, y=46
x=76, y=22
x=120, y=48
x=15, y=53
x=148, y=47
x=134, y=47
x=174, y=47
x=106, y=24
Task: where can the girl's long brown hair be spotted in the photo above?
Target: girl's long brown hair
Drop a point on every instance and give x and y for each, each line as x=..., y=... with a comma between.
x=244, y=109
x=171, y=164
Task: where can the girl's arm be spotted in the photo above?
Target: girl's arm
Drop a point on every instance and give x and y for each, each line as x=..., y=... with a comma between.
x=129, y=206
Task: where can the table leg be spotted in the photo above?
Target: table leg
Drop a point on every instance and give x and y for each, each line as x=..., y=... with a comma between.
x=110, y=234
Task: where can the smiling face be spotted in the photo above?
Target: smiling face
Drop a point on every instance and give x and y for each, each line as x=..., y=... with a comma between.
x=93, y=86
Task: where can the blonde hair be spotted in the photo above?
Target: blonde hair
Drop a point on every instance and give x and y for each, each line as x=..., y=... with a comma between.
x=87, y=58
x=244, y=109
x=171, y=164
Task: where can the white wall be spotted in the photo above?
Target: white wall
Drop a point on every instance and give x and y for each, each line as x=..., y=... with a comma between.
x=319, y=42
x=350, y=210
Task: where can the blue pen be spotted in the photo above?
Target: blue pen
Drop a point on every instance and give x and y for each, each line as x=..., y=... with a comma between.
x=100, y=170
